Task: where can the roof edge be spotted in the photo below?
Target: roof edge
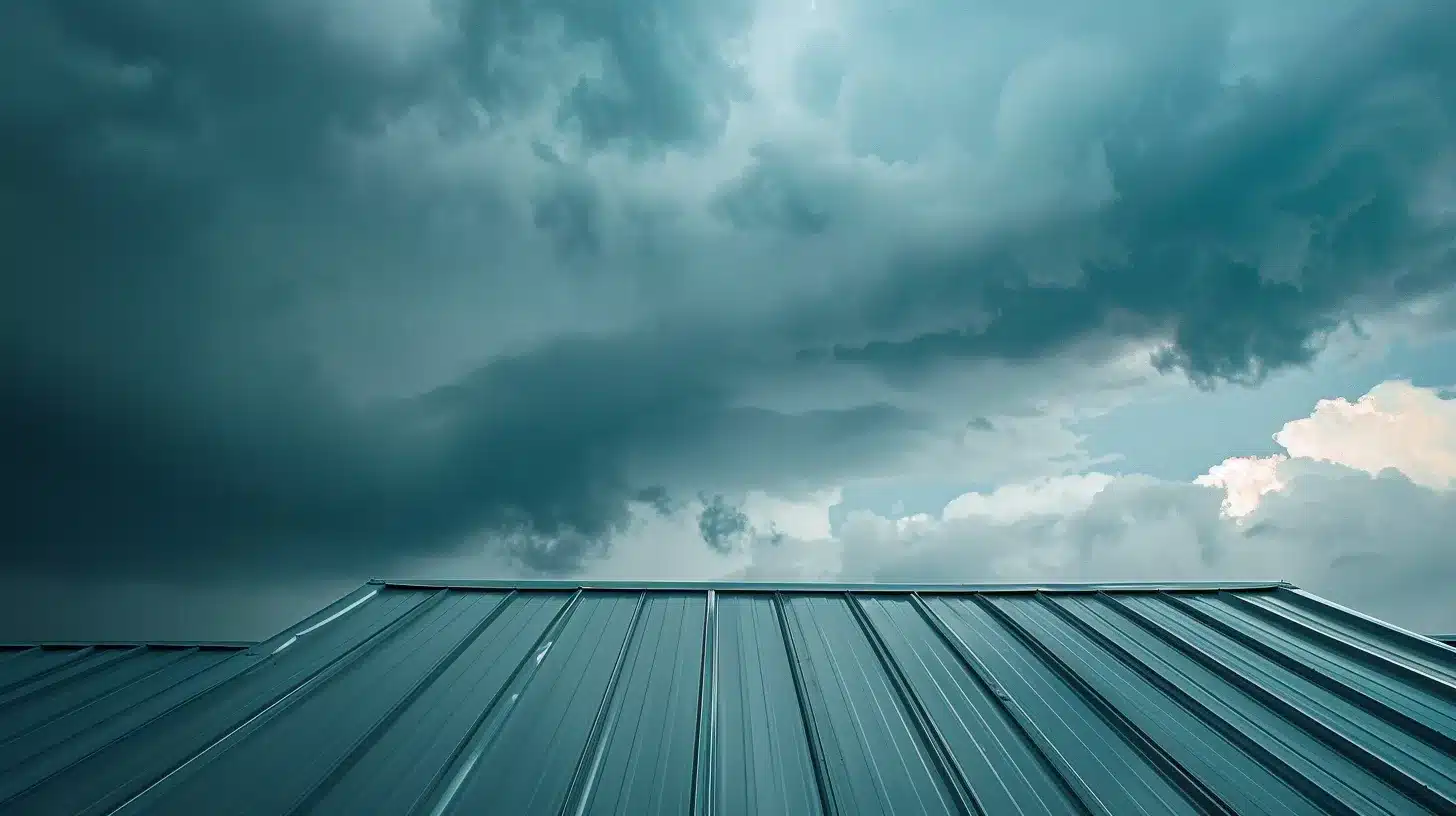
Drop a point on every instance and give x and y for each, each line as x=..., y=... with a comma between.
x=228, y=645
x=834, y=586
x=1368, y=622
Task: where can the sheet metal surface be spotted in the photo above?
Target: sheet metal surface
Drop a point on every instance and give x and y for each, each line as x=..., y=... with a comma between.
x=688, y=699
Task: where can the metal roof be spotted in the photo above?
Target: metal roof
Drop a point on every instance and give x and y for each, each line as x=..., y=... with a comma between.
x=550, y=698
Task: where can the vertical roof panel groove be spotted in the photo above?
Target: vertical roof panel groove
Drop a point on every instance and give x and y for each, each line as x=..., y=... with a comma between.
x=876, y=760
x=527, y=766
x=1375, y=636
x=762, y=759
x=553, y=698
x=397, y=770
x=648, y=763
x=1293, y=756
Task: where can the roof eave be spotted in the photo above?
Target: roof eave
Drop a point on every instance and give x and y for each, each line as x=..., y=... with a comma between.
x=834, y=586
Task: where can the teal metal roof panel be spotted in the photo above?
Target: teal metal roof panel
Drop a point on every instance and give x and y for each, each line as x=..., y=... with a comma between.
x=684, y=698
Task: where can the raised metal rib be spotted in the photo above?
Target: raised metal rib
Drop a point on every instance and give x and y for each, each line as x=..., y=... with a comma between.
x=22, y=693
x=1198, y=793
x=704, y=757
x=70, y=659
x=1440, y=687
x=310, y=798
x=584, y=778
x=1427, y=648
x=1072, y=784
x=1229, y=730
x=180, y=654
x=1377, y=765
x=1364, y=700
x=139, y=802
x=940, y=752
x=827, y=803
x=492, y=719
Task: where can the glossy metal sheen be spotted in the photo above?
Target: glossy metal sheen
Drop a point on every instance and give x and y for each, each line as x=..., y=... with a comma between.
x=643, y=699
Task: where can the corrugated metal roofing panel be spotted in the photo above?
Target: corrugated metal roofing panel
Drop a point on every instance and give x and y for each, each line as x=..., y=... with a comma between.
x=548, y=697
x=64, y=701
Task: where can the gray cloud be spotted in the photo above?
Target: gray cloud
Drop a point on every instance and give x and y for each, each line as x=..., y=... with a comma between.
x=663, y=81
x=371, y=291
x=721, y=523
x=1377, y=545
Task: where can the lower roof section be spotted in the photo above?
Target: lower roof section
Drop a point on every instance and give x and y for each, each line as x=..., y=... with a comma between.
x=425, y=698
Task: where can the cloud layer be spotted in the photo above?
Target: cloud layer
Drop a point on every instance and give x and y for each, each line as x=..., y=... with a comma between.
x=1369, y=536
x=293, y=285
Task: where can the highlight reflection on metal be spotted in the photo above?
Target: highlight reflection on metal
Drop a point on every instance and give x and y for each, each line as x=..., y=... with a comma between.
x=551, y=698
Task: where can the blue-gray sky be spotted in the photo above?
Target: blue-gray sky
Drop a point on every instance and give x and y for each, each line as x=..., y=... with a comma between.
x=296, y=292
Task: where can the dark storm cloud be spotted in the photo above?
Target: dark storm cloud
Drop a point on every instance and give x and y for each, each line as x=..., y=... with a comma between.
x=567, y=212
x=158, y=412
x=665, y=83
x=775, y=193
x=537, y=447
x=186, y=233
x=1336, y=152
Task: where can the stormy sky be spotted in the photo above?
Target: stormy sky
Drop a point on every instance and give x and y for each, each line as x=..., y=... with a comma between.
x=298, y=292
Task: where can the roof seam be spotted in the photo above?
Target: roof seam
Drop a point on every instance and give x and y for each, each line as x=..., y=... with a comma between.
x=1157, y=756
x=703, y=751
x=479, y=738
x=588, y=765
x=663, y=698
x=1356, y=697
x=321, y=789
x=950, y=770
x=1378, y=766
x=1036, y=739
x=827, y=801
x=287, y=699
x=1291, y=775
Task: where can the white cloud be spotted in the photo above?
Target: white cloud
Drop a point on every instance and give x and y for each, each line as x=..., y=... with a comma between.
x=1013, y=503
x=1245, y=479
x=1396, y=425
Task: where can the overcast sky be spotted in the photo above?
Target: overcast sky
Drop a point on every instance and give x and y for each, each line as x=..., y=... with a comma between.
x=298, y=292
